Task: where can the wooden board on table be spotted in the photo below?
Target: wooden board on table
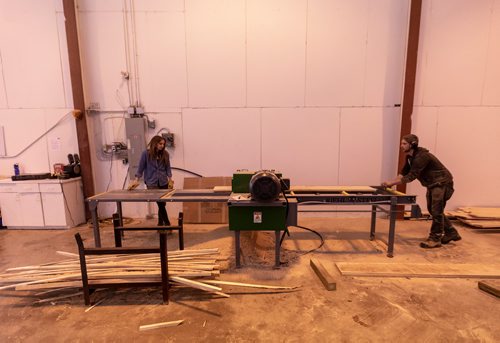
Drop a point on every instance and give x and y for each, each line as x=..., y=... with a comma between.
x=490, y=286
x=333, y=189
x=420, y=270
x=223, y=189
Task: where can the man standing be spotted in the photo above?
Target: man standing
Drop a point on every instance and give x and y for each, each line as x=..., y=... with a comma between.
x=432, y=174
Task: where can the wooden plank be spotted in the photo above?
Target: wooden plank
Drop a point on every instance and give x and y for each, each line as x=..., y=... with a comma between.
x=348, y=189
x=250, y=285
x=482, y=223
x=483, y=212
x=325, y=277
x=490, y=286
x=160, y=325
x=224, y=189
x=420, y=270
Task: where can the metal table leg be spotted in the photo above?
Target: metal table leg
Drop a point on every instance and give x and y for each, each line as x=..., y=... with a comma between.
x=392, y=226
x=164, y=265
x=119, y=211
x=237, y=245
x=277, y=249
x=95, y=223
x=374, y=218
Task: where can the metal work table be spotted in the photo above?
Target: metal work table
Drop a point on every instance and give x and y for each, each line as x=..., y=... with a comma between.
x=149, y=195
x=317, y=195
x=373, y=196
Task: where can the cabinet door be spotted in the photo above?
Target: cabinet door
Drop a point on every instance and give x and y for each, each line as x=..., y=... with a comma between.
x=11, y=209
x=31, y=209
x=54, y=209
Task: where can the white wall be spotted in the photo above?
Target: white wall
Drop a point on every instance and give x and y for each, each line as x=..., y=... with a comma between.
x=457, y=110
x=308, y=87
x=35, y=93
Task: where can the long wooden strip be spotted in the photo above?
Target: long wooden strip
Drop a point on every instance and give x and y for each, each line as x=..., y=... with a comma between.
x=160, y=325
x=251, y=285
x=420, y=270
x=49, y=285
x=58, y=298
x=195, y=284
x=39, y=281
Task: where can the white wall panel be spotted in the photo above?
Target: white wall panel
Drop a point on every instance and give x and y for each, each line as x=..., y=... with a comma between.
x=336, y=52
x=216, y=52
x=61, y=140
x=217, y=142
x=491, y=92
x=3, y=94
x=385, y=55
x=140, y=5
x=162, y=60
x=63, y=50
x=102, y=50
x=456, y=35
x=302, y=143
x=23, y=127
x=365, y=134
x=100, y=6
x=468, y=141
x=30, y=54
x=276, y=40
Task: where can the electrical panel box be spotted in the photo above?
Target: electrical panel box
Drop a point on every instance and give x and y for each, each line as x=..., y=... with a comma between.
x=136, y=142
x=169, y=139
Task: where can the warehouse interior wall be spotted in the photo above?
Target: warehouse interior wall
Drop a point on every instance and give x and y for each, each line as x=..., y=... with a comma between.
x=311, y=88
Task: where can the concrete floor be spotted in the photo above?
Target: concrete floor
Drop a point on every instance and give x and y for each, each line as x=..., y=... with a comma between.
x=362, y=309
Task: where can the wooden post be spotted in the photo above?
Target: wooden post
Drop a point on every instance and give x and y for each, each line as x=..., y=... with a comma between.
x=409, y=84
x=78, y=99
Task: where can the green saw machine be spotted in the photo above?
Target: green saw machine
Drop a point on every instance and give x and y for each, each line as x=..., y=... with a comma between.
x=258, y=202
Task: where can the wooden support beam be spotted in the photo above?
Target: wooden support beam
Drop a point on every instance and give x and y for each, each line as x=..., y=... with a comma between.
x=75, y=69
x=410, y=76
x=323, y=275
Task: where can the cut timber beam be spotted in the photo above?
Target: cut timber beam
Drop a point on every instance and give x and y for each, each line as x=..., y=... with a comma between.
x=490, y=286
x=323, y=275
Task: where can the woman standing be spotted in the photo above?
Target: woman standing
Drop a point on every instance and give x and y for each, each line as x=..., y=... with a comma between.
x=155, y=165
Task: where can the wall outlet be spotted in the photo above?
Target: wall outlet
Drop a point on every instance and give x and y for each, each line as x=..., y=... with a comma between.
x=169, y=139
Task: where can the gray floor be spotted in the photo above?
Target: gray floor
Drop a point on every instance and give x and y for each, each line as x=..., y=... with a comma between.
x=362, y=309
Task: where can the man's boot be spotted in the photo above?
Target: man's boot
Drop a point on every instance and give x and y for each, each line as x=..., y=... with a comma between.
x=431, y=243
x=450, y=235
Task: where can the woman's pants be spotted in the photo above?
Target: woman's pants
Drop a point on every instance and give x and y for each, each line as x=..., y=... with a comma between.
x=162, y=207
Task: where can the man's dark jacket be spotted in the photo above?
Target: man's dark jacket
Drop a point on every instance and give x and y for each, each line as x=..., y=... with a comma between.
x=426, y=168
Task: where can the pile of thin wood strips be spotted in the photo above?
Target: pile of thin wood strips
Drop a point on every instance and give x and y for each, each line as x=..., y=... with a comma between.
x=192, y=268
x=478, y=217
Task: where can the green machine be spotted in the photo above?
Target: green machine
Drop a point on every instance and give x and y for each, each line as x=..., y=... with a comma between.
x=258, y=203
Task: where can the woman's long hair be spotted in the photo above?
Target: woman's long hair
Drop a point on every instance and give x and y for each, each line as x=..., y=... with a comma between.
x=153, y=153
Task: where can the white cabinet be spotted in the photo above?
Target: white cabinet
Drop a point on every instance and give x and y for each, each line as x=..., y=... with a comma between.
x=50, y=204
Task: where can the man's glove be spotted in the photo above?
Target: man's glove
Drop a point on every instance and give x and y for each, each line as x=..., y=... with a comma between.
x=170, y=184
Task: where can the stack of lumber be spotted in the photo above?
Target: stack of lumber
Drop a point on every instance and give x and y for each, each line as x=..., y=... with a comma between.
x=192, y=268
x=478, y=217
